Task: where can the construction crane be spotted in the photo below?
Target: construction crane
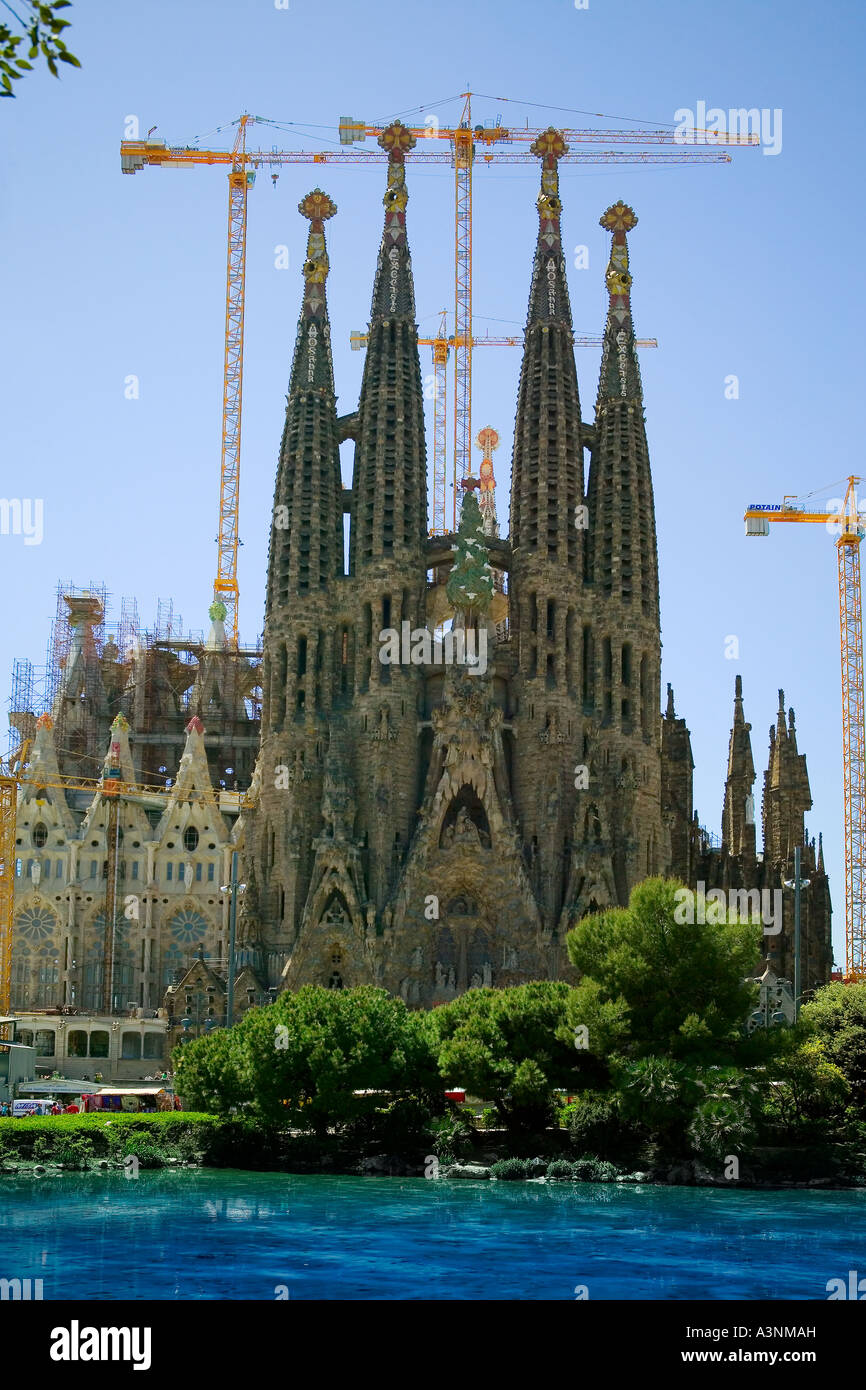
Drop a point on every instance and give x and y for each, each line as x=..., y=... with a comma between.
x=849, y=525
x=442, y=346
x=467, y=143
x=464, y=145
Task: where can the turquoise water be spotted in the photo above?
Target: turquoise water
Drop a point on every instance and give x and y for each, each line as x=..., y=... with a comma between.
x=199, y=1234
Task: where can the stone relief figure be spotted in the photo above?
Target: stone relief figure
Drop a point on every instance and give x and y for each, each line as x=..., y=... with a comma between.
x=414, y=992
x=509, y=958
x=440, y=975
x=383, y=733
x=417, y=958
x=475, y=982
x=465, y=832
x=486, y=975
x=452, y=979
x=551, y=732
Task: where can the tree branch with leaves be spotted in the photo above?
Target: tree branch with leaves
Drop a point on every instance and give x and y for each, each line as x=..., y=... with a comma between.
x=40, y=24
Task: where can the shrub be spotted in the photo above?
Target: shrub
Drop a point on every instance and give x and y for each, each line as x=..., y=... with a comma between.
x=452, y=1136
x=594, y=1123
x=721, y=1127
x=560, y=1168
x=512, y=1169
x=593, y=1170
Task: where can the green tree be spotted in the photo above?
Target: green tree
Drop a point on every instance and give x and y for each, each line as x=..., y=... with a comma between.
x=41, y=27
x=510, y=1046
x=837, y=1015
x=808, y=1092
x=207, y=1073
x=303, y=1057
x=682, y=984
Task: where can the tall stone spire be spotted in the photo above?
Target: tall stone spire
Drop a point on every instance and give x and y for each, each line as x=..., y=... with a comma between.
x=389, y=492
x=621, y=555
x=787, y=795
x=738, y=812
x=547, y=467
x=306, y=550
x=546, y=601
x=677, y=769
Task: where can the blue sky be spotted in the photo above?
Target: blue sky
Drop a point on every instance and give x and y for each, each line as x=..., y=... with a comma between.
x=749, y=269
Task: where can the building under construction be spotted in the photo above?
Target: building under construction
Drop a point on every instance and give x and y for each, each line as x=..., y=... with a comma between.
x=423, y=826
x=159, y=730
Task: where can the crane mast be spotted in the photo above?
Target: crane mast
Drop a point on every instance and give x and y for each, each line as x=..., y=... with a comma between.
x=226, y=583
x=848, y=525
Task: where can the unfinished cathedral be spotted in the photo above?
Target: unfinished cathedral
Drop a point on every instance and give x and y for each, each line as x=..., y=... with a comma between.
x=459, y=748
x=430, y=822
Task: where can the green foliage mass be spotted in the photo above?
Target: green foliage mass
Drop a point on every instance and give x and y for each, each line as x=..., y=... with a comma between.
x=42, y=29
x=300, y=1061
x=511, y=1046
x=837, y=1016
x=676, y=989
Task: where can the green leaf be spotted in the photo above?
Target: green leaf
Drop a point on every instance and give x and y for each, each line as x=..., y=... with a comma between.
x=23, y=63
x=69, y=58
x=52, y=67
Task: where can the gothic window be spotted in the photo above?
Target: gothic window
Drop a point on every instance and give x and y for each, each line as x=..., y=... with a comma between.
x=35, y=924
x=190, y=838
x=47, y=979
x=21, y=966
x=188, y=927
x=92, y=991
x=335, y=981
x=172, y=965
x=40, y=835
x=626, y=663
x=123, y=983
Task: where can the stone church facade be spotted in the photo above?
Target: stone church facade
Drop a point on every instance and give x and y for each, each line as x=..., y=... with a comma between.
x=420, y=824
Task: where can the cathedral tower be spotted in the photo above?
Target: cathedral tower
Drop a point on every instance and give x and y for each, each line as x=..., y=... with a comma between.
x=388, y=530
x=547, y=526
x=621, y=639
x=305, y=564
